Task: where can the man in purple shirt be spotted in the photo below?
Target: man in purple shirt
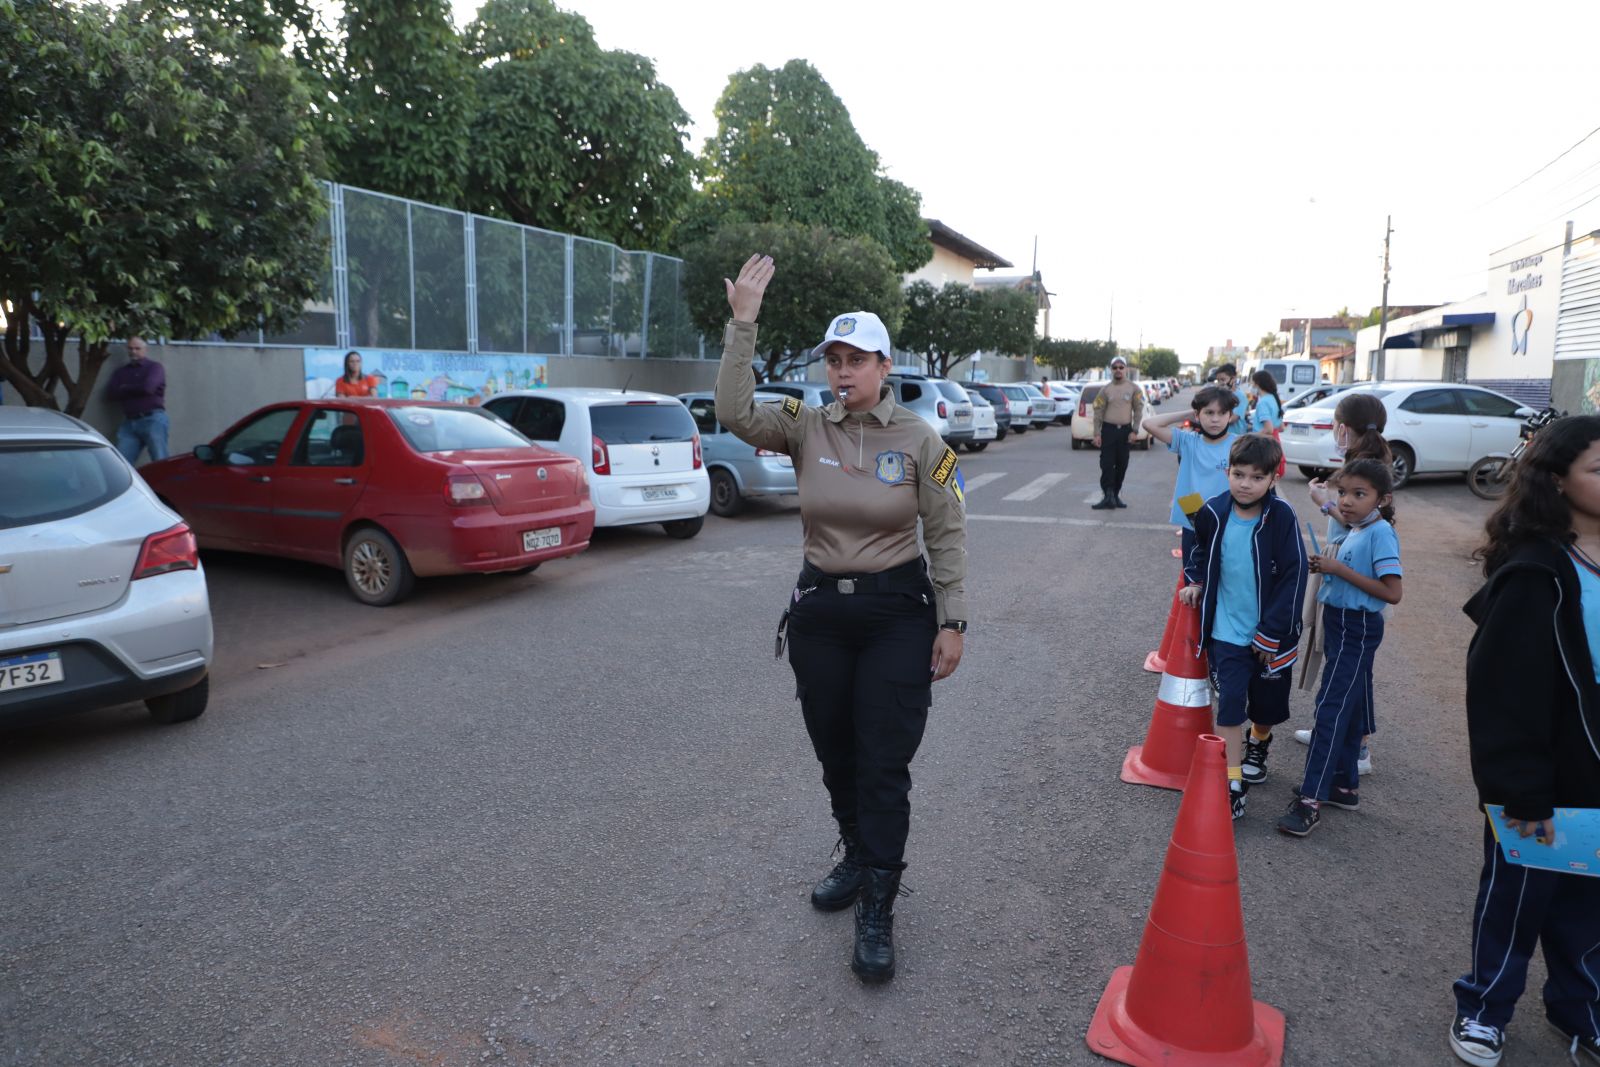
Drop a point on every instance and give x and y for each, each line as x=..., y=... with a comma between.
x=140, y=386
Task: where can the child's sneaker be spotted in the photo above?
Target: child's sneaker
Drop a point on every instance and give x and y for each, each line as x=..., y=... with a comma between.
x=1348, y=799
x=1303, y=736
x=1476, y=1043
x=1253, y=767
x=1364, y=760
x=1581, y=1049
x=1236, y=796
x=1301, y=818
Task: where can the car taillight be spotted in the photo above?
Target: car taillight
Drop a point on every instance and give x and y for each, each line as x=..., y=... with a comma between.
x=944, y=412
x=464, y=490
x=698, y=461
x=1083, y=410
x=762, y=453
x=1322, y=425
x=167, y=551
x=602, y=458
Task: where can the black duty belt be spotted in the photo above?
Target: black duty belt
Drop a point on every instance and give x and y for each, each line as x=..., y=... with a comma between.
x=909, y=577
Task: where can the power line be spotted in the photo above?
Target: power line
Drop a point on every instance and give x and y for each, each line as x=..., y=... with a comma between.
x=1544, y=168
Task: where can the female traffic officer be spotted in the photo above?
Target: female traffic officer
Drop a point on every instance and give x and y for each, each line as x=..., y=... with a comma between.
x=870, y=625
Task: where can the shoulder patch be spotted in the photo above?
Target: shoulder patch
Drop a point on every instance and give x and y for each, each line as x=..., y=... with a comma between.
x=791, y=407
x=945, y=469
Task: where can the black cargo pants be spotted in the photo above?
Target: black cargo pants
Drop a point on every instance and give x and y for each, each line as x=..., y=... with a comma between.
x=862, y=649
x=1114, y=448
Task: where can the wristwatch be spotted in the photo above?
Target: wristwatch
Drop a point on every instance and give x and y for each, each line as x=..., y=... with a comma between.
x=955, y=626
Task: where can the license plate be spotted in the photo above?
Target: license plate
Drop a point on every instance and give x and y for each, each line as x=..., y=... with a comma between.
x=24, y=672
x=1300, y=430
x=536, y=539
x=666, y=492
x=984, y=433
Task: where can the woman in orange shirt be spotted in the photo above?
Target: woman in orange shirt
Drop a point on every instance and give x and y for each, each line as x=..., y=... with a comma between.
x=352, y=383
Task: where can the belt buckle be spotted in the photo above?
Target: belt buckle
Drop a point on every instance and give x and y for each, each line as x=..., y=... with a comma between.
x=847, y=585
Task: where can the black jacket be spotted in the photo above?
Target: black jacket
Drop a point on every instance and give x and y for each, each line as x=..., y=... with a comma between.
x=1533, y=707
x=1280, y=559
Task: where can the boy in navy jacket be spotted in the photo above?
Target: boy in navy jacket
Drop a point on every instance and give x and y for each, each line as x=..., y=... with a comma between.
x=1247, y=575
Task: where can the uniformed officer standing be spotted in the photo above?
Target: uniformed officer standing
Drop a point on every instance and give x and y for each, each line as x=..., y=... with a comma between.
x=869, y=629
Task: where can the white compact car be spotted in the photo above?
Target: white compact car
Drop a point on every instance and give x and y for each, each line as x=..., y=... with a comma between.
x=641, y=451
x=1432, y=428
x=102, y=597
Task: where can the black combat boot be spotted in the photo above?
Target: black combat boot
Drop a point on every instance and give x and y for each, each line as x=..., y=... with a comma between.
x=873, y=961
x=840, y=887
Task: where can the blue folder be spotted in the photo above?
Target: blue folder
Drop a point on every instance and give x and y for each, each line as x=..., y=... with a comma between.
x=1575, y=850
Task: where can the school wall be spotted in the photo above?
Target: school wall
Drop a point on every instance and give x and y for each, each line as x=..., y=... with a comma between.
x=210, y=387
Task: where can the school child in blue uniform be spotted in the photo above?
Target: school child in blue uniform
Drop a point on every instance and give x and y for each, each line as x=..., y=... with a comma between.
x=1533, y=727
x=1202, y=453
x=1247, y=575
x=1361, y=575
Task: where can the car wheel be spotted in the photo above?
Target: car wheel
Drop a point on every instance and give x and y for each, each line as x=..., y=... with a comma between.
x=181, y=706
x=977, y=446
x=1311, y=473
x=1077, y=444
x=1000, y=434
x=725, y=498
x=683, y=529
x=1405, y=464
x=375, y=569
x=1019, y=429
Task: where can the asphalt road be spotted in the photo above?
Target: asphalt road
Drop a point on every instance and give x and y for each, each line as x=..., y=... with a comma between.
x=572, y=818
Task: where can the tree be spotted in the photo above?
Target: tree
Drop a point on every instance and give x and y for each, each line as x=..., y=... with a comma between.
x=940, y=324
x=786, y=152
x=1268, y=342
x=1158, y=363
x=569, y=136
x=1074, y=357
x=155, y=178
x=405, y=92
x=1005, y=321
x=819, y=275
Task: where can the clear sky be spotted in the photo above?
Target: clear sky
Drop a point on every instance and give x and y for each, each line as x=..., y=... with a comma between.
x=1213, y=167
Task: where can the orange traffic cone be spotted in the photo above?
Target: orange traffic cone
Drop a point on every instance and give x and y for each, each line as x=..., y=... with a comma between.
x=1186, y=1000
x=1156, y=662
x=1182, y=712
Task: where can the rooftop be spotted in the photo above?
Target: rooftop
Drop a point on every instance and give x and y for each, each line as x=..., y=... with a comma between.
x=963, y=246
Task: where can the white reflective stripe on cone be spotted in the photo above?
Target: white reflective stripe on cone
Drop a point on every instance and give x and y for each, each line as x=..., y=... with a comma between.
x=1185, y=692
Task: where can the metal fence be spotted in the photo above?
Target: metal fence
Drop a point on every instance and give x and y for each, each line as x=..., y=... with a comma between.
x=403, y=274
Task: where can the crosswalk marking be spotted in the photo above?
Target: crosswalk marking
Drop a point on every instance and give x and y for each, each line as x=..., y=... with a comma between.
x=1037, y=488
x=1062, y=520
x=979, y=481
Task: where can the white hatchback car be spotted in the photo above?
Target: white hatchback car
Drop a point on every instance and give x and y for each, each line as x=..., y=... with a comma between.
x=1432, y=428
x=102, y=597
x=641, y=451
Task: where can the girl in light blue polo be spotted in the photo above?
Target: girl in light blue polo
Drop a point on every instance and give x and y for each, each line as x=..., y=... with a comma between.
x=1361, y=576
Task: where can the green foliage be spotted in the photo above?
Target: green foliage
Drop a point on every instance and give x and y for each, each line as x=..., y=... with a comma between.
x=405, y=91
x=1006, y=321
x=569, y=136
x=1158, y=363
x=1068, y=358
x=786, y=152
x=155, y=178
x=946, y=326
x=819, y=275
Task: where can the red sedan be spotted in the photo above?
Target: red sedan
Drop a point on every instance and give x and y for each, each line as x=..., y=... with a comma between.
x=388, y=490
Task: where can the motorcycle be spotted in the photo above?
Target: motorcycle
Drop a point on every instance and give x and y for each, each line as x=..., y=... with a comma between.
x=1490, y=477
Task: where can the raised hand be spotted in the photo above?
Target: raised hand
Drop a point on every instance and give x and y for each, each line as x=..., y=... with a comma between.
x=744, y=295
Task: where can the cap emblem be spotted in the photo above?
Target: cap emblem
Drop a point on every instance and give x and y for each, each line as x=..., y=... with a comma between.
x=845, y=328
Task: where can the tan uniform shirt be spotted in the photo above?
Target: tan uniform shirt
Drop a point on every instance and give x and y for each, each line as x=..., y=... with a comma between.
x=1120, y=404
x=865, y=479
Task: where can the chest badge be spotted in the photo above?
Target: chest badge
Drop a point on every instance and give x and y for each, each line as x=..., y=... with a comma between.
x=891, y=467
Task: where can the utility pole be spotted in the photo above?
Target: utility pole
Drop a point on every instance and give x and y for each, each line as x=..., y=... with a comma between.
x=1383, y=311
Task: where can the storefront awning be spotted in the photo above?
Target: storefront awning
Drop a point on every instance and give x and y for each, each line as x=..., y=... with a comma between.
x=1413, y=335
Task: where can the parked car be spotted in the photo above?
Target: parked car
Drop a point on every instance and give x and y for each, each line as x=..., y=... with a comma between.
x=641, y=451
x=985, y=427
x=1294, y=376
x=386, y=490
x=103, y=593
x=1041, y=409
x=1083, y=420
x=738, y=470
x=1317, y=394
x=938, y=400
x=814, y=394
x=1432, y=427
x=998, y=400
x=1065, y=395
x=1021, y=405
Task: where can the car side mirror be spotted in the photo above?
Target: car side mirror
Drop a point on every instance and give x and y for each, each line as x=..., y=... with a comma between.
x=205, y=453
x=1524, y=413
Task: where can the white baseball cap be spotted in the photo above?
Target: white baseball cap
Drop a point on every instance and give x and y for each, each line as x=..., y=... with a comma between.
x=1118, y=359
x=858, y=329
